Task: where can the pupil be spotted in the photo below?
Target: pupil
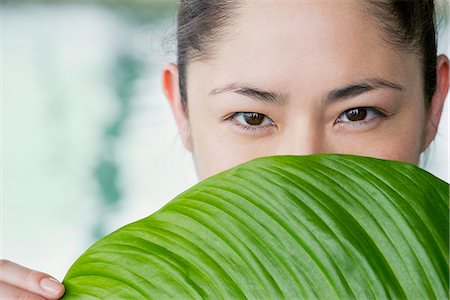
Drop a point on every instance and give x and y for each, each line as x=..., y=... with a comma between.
x=356, y=114
x=254, y=119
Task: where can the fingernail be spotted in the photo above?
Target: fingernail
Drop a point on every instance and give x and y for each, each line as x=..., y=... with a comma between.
x=50, y=285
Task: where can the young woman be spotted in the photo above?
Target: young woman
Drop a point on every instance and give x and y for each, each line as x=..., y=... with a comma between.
x=258, y=78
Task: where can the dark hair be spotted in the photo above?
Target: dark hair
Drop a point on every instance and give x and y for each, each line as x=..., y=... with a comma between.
x=200, y=24
x=411, y=25
x=406, y=25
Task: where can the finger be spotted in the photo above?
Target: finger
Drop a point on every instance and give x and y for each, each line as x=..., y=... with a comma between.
x=8, y=291
x=30, y=280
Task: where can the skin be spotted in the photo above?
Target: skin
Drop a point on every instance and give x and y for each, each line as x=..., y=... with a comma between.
x=19, y=282
x=303, y=55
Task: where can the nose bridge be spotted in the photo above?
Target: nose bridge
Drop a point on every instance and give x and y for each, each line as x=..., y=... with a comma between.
x=302, y=139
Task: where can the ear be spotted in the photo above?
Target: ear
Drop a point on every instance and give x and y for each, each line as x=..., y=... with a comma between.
x=437, y=102
x=171, y=88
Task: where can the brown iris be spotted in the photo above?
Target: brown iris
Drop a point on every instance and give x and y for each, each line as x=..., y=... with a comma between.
x=356, y=114
x=253, y=119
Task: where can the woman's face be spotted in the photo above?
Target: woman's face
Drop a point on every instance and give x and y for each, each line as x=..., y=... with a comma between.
x=298, y=78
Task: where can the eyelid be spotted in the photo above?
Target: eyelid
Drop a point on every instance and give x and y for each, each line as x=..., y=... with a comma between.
x=244, y=115
x=250, y=129
x=378, y=116
x=375, y=111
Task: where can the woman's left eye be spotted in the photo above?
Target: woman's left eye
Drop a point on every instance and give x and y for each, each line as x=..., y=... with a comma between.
x=359, y=115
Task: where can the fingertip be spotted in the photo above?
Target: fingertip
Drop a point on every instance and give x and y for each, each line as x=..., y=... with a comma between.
x=52, y=287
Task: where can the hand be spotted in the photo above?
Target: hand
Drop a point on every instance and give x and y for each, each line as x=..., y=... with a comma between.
x=18, y=282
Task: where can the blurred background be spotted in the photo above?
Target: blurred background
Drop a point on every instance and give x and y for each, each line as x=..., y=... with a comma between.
x=88, y=142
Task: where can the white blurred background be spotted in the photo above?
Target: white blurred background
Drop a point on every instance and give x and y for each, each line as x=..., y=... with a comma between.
x=88, y=143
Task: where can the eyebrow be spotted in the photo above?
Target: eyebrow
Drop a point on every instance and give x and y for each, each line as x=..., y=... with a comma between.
x=252, y=92
x=346, y=92
x=359, y=88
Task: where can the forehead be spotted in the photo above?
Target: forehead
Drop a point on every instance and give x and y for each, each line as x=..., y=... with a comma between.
x=328, y=41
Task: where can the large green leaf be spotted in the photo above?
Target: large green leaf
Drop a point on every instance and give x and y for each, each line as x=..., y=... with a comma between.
x=324, y=226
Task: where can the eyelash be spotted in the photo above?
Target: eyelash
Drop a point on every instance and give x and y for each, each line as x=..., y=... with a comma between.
x=260, y=129
x=248, y=128
x=371, y=115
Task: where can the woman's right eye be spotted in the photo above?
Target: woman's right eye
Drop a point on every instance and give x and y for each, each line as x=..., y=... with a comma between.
x=252, y=121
